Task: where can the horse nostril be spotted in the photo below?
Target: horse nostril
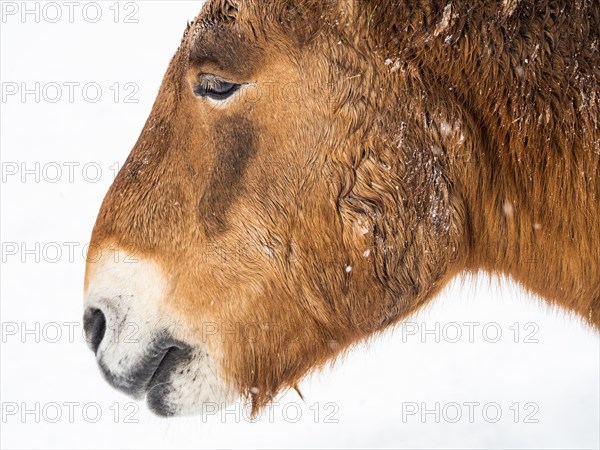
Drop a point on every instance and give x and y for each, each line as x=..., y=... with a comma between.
x=94, y=325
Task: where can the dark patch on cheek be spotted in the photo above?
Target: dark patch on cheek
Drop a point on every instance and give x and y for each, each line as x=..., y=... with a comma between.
x=234, y=148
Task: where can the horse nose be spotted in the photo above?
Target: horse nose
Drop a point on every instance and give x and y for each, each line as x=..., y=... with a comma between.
x=94, y=325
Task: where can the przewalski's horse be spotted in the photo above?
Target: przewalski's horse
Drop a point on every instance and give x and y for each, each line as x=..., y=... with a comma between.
x=314, y=171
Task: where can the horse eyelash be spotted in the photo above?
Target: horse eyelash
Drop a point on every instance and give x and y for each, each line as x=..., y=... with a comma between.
x=209, y=82
x=207, y=86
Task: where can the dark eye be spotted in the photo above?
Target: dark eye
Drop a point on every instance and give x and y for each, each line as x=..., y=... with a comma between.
x=215, y=88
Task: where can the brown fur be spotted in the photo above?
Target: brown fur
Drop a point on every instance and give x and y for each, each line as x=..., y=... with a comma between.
x=442, y=139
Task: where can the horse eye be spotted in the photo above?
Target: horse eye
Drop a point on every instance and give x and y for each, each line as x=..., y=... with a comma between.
x=215, y=88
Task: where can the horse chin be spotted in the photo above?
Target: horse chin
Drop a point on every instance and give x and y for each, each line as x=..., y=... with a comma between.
x=186, y=385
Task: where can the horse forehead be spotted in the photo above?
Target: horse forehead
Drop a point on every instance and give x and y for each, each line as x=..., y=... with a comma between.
x=220, y=13
x=230, y=43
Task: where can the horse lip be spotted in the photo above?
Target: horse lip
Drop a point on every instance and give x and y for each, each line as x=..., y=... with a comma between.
x=169, y=361
x=159, y=386
x=154, y=369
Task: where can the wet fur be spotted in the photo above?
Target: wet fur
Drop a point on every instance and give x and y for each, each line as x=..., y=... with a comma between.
x=434, y=139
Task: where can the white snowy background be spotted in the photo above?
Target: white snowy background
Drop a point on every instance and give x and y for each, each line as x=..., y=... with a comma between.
x=551, y=375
